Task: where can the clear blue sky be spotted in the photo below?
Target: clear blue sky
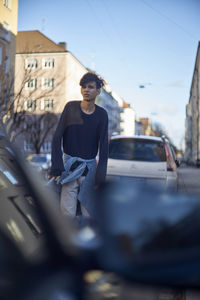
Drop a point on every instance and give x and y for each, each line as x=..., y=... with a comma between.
x=129, y=43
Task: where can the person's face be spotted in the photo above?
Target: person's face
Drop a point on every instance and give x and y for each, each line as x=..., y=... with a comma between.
x=89, y=91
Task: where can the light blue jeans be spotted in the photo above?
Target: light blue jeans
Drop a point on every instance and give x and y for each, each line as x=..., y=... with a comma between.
x=69, y=199
x=77, y=187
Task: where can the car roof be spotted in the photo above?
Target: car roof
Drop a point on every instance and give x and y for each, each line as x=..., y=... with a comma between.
x=142, y=137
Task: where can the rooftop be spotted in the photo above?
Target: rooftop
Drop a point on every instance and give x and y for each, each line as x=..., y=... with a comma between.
x=36, y=42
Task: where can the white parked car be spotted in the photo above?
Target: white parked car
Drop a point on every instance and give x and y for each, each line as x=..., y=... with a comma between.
x=146, y=159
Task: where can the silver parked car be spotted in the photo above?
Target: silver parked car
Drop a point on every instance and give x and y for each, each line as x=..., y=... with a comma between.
x=146, y=159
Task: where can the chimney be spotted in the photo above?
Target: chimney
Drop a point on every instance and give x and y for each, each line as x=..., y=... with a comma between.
x=63, y=44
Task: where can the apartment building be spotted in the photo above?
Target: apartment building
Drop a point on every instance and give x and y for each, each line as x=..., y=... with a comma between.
x=145, y=127
x=192, y=123
x=188, y=132
x=40, y=88
x=107, y=99
x=8, y=32
x=128, y=120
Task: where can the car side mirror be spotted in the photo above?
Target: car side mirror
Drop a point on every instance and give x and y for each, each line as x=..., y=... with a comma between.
x=149, y=236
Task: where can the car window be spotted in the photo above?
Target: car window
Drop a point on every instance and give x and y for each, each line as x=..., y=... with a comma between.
x=137, y=149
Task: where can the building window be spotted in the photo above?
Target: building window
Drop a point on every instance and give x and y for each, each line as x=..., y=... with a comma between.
x=31, y=84
x=47, y=104
x=5, y=98
x=46, y=147
x=6, y=31
x=28, y=146
x=1, y=53
x=48, y=63
x=7, y=3
x=7, y=64
x=31, y=63
x=47, y=83
x=30, y=105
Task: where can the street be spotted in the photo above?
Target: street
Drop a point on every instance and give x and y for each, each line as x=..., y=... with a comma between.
x=104, y=285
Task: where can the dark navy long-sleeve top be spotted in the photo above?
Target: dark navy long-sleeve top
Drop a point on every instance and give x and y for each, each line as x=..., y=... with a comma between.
x=81, y=135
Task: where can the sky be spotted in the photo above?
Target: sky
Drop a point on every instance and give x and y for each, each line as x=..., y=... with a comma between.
x=130, y=43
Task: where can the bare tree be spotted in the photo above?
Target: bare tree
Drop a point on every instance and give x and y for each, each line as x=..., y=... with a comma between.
x=158, y=130
x=35, y=125
x=38, y=128
x=12, y=109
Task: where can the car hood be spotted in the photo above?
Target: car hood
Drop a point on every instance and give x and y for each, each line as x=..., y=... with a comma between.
x=137, y=168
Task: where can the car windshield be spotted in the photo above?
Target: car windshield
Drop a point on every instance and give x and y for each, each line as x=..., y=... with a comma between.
x=39, y=159
x=137, y=149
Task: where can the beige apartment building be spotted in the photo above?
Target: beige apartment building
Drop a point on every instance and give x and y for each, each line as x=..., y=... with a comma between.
x=40, y=88
x=8, y=32
x=40, y=73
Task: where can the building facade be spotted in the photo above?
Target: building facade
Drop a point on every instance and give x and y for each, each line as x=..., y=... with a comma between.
x=8, y=32
x=40, y=89
x=192, y=123
x=108, y=100
x=127, y=117
x=188, y=131
x=128, y=120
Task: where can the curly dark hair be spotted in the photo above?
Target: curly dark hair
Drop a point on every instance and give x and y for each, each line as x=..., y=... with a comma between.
x=88, y=77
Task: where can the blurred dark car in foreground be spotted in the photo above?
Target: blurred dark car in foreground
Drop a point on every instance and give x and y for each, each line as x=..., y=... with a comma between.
x=145, y=236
